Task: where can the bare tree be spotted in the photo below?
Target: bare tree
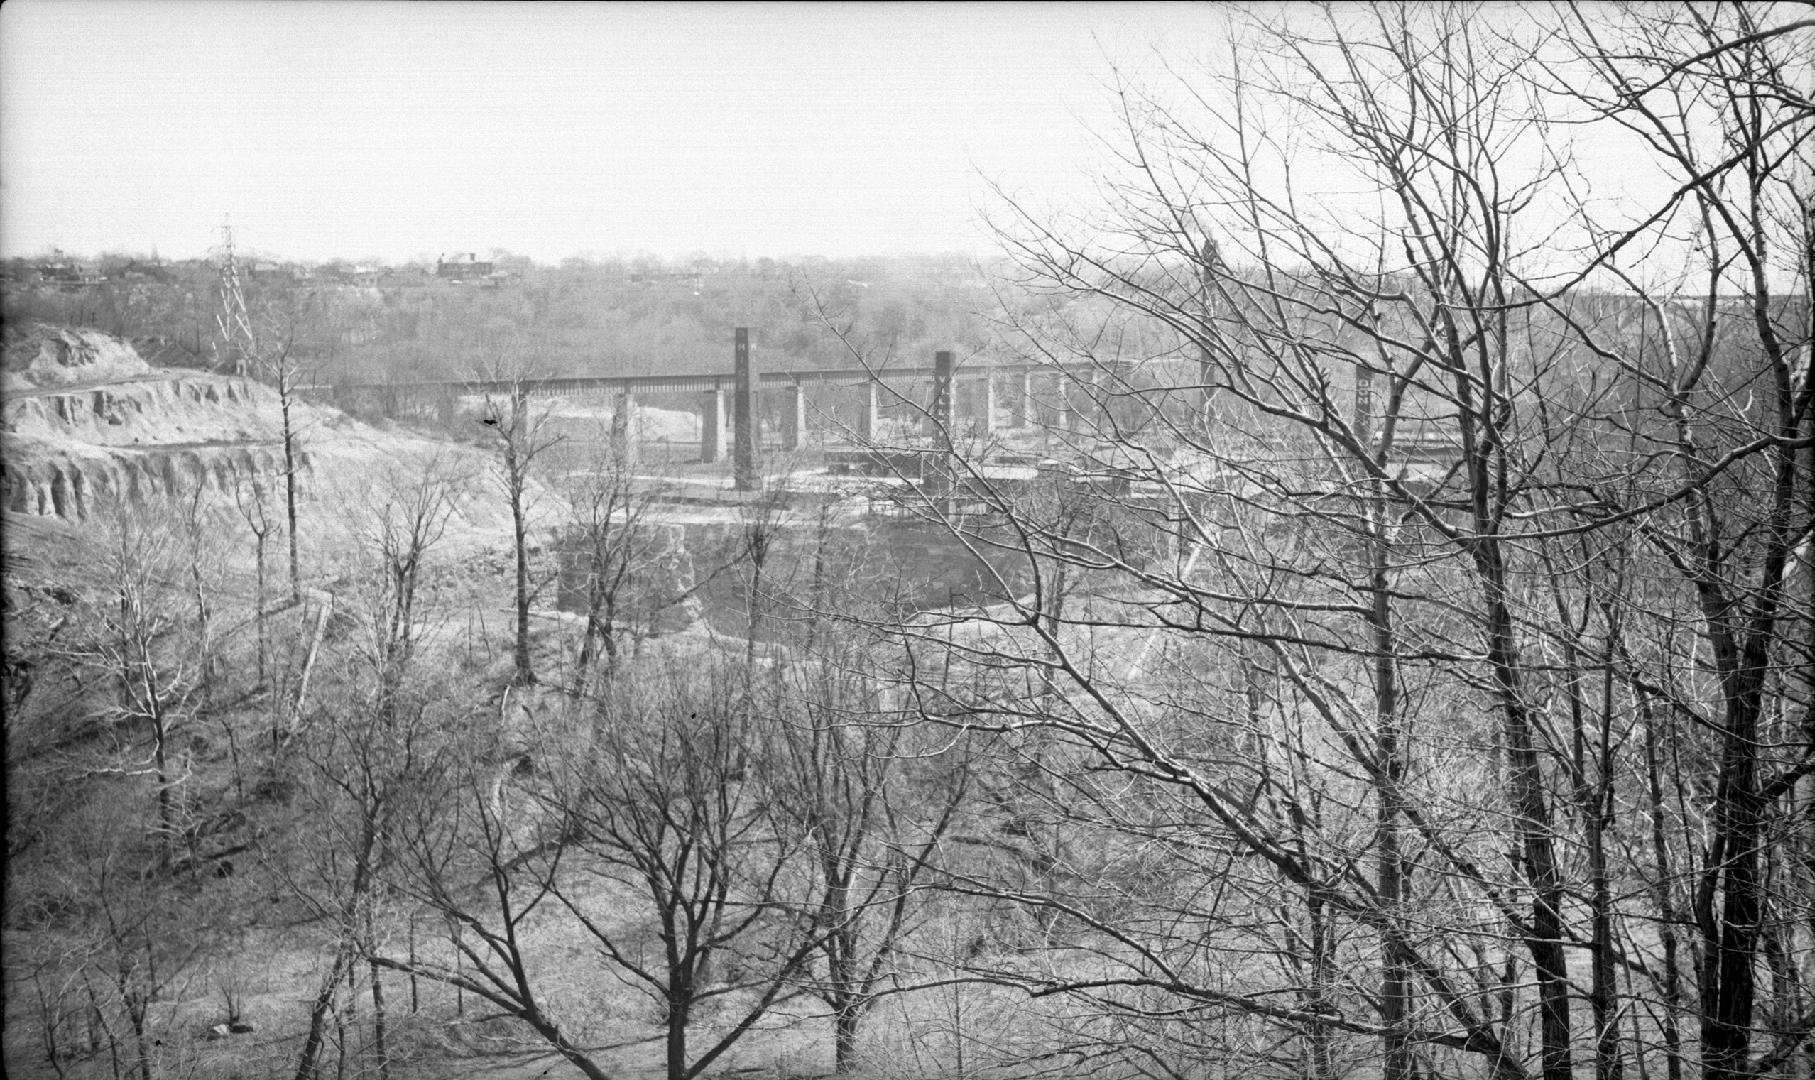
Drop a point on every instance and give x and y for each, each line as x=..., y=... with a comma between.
x=674, y=795
x=613, y=548
x=144, y=941
x=268, y=336
x=637, y=821
x=522, y=432
x=1407, y=506
x=365, y=753
x=871, y=796
x=249, y=500
x=1722, y=103
x=140, y=638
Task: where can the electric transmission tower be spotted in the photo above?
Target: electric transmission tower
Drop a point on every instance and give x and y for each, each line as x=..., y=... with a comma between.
x=238, y=345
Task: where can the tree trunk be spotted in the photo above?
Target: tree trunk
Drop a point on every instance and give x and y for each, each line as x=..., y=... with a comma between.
x=1537, y=849
x=344, y=955
x=262, y=627
x=1395, y=980
x=203, y=616
x=378, y=1022
x=679, y=1008
x=1322, y=1035
x=1603, y=995
x=758, y=548
x=283, y=396
x=141, y=1037
x=346, y=1022
x=600, y=611
x=160, y=731
x=845, y=1024
x=1731, y=937
x=318, y=1013
x=525, y=674
x=1477, y=401
x=1663, y=898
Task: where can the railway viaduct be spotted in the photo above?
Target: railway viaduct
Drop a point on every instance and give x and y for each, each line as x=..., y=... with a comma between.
x=1033, y=393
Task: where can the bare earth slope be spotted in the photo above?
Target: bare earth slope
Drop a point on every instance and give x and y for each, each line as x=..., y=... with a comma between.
x=38, y=354
x=89, y=429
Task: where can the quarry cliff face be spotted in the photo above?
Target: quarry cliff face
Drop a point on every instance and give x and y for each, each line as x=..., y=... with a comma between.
x=89, y=425
x=89, y=428
x=73, y=485
x=38, y=354
x=187, y=408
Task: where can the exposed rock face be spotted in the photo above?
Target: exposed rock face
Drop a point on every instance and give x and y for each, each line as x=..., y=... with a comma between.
x=37, y=355
x=71, y=484
x=89, y=429
x=188, y=409
x=71, y=452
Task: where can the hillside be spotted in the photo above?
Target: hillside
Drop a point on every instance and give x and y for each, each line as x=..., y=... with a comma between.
x=91, y=429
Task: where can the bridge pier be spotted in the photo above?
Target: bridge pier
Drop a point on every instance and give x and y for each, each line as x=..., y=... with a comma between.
x=793, y=416
x=1065, y=417
x=942, y=413
x=1119, y=407
x=989, y=405
x=743, y=414
x=1052, y=397
x=1096, y=404
x=869, y=412
x=624, y=427
x=713, y=424
x=1021, y=400
x=943, y=417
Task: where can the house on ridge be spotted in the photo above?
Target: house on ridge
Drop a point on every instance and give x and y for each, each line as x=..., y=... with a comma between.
x=462, y=267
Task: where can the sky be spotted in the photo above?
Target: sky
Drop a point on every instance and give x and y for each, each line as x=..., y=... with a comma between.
x=373, y=129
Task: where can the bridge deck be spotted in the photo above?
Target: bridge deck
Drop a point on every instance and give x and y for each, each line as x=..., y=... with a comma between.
x=581, y=385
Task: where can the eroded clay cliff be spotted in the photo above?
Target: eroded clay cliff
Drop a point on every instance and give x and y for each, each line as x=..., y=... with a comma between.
x=89, y=427
x=38, y=354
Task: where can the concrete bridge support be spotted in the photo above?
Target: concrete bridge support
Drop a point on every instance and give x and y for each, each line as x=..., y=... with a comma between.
x=1096, y=393
x=714, y=425
x=624, y=427
x=1086, y=401
x=1021, y=400
x=1122, y=409
x=1065, y=414
x=943, y=417
x=869, y=411
x=743, y=414
x=942, y=411
x=988, y=426
x=793, y=416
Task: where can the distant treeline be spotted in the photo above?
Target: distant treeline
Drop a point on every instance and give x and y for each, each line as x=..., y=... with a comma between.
x=578, y=318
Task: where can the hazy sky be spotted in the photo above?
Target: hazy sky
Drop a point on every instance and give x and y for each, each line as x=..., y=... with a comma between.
x=360, y=128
